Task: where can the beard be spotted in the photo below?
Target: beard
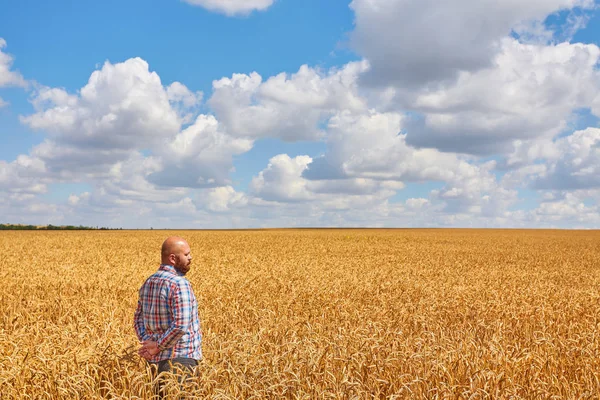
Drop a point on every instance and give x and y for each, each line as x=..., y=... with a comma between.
x=183, y=266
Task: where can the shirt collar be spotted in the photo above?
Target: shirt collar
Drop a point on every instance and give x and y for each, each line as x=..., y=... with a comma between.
x=170, y=268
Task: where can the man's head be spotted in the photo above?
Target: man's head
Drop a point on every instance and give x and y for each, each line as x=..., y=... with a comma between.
x=176, y=251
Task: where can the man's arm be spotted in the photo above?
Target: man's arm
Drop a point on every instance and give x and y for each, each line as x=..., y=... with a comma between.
x=138, y=321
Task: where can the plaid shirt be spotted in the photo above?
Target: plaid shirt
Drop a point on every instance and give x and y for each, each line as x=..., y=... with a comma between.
x=167, y=312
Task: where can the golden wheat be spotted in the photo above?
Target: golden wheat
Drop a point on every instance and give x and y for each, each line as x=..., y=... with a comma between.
x=312, y=314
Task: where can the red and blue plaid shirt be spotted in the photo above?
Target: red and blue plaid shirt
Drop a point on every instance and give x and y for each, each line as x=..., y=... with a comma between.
x=167, y=312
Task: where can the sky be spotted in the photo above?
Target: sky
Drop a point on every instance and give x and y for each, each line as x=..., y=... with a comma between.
x=192, y=114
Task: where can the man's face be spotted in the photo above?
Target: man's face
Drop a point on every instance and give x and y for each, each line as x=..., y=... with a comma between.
x=183, y=258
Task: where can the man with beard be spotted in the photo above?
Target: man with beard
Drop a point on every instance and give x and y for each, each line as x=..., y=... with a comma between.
x=166, y=319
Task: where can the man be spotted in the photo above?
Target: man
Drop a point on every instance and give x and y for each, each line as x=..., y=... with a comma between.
x=166, y=319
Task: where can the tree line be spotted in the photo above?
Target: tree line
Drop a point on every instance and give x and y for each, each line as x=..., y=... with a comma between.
x=21, y=227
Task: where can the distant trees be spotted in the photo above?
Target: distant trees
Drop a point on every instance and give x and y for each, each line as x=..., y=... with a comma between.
x=13, y=227
x=5, y=227
x=68, y=227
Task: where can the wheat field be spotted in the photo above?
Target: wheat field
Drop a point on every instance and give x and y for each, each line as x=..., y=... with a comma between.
x=312, y=314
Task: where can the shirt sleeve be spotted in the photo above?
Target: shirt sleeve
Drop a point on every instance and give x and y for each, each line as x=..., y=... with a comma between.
x=180, y=307
x=138, y=321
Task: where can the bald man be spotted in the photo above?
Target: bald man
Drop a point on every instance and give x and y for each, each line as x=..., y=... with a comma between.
x=166, y=319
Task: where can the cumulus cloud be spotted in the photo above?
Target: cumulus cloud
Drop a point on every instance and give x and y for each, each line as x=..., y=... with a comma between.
x=123, y=107
x=288, y=107
x=8, y=77
x=128, y=181
x=564, y=174
x=416, y=203
x=68, y=162
x=440, y=86
x=21, y=184
x=563, y=209
x=22, y=176
x=200, y=156
x=414, y=42
x=125, y=196
x=595, y=106
x=373, y=145
x=74, y=200
x=281, y=180
x=476, y=191
x=472, y=197
x=573, y=163
x=529, y=93
x=184, y=101
x=223, y=199
x=121, y=134
x=232, y=7
x=469, y=190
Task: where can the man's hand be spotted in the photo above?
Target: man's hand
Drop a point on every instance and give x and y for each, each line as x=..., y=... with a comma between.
x=149, y=349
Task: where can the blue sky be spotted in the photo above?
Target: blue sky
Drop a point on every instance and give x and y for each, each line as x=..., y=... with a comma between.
x=261, y=113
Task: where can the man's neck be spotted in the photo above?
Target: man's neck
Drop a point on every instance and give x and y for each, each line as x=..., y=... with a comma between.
x=174, y=268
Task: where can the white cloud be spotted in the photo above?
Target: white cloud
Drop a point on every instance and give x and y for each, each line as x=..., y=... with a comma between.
x=353, y=186
x=22, y=176
x=182, y=209
x=469, y=86
x=224, y=198
x=566, y=210
x=595, y=106
x=128, y=181
x=281, y=180
x=184, y=101
x=149, y=158
x=69, y=162
x=199, y=156
x=530, y=92
x=121, y=134
x=121, y=110
x=413, y=42
x=74, y=200
x=41, y=209
x=232, y=7
x=525, y=152
x=178, y=92
x=125, y=198
x=573, y=164
x=123, y=107
x=479, y=201
x=48, y=98
x=8, y=77
x=371, y=145
x=416, y=203
x=288, y=107
x=476, y=192
x=282, y=185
